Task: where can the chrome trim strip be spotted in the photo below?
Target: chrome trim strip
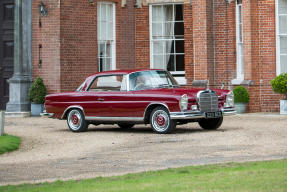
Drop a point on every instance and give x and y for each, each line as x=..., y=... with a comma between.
x=45, y=114
x=73, y=106
x=198, y=114
x=91, y=118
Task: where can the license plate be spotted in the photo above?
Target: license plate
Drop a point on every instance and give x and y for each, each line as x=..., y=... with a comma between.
x=213, y=114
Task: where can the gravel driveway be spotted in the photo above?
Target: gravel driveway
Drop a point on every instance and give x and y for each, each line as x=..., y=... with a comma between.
x=49, y=151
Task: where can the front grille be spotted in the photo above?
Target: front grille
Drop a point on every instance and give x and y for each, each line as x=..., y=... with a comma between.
x=208, y=101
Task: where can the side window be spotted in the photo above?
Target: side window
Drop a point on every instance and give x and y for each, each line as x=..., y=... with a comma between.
x=109, y=83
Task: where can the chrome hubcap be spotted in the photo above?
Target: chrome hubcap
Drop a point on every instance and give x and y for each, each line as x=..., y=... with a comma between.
x=74, y=120
x=160, y=121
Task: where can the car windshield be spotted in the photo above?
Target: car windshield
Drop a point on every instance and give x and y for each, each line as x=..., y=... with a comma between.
x=151, y=79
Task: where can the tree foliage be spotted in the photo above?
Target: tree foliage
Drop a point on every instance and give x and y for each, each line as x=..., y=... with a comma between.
x=37, y=91
x=279, y=84
x=241, y=95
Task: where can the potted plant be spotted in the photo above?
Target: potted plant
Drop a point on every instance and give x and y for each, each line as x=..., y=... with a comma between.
x=279, y=85
x=37, y=95
x=241, y=97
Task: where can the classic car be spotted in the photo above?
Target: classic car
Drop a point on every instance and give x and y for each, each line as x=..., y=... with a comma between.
x=129, y=97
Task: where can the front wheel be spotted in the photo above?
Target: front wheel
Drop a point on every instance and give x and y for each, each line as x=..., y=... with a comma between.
x=211, y=124
x=76, y=121
x=160, y=121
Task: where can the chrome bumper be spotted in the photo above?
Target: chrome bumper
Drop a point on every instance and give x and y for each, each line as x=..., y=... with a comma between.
x=45, y=114
x=198, y=114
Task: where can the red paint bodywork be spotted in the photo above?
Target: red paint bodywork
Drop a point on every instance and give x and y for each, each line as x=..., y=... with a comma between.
x=122, y=103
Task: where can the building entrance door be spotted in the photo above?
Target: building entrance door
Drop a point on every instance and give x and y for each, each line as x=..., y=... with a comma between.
x=6, y=48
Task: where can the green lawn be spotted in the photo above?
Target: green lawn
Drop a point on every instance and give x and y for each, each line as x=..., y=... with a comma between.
x=9, y=143
x=255, y=176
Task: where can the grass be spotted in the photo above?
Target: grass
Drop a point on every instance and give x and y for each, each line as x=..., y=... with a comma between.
x=9, y=143
x=255, y=176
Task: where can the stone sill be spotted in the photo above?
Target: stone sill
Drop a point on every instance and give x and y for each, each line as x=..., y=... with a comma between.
x=242, y=82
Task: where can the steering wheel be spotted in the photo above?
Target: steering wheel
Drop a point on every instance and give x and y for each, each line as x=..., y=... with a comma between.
x=139, y=86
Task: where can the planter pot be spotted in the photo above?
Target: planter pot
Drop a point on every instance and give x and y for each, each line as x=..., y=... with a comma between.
x=240, y=107
x=283, y=107
x=36, y=109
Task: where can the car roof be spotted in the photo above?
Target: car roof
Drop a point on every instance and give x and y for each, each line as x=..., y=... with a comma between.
x=121, y=72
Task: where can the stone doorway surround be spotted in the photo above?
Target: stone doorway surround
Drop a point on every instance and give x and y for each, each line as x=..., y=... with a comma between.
x=20, y=82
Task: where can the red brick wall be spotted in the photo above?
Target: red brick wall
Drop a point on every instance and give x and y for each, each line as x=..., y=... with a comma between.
x=142, y=40
x=267, y=55
x=188, y=43
x=49, y=36
x=224, y=42
x=78, y=42
x=203, y=39
x=125, y=29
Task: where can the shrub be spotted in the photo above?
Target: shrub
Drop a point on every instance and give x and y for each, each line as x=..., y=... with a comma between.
x=279, y=84
x=37, y=91
x=240, y=95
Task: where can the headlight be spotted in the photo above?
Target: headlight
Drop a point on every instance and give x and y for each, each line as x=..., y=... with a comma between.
x=229, y=100
x=183, y=102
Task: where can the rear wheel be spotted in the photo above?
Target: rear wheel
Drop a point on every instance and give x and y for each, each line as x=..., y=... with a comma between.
x=76, y=121
x=211, y=124
x=160, y=121
x=126, y=125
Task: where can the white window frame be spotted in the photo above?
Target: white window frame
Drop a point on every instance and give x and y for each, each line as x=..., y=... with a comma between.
x=278, y=35
x=151, y=37
x=113, y=42
x=239, y=58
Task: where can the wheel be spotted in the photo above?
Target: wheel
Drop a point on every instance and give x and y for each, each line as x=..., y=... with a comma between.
x=125, y=125
x=160, y=121
x=76, y=121
x=211, y=124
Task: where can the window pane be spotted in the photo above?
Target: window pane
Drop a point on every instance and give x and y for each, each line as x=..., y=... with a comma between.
x=282, y=6
x=110, y=31
x=103, y=12
x=179, y=29
x=158, y=61
x=107, y=64
x=240, y=14
x=179, y=46
x=242, y=64
x=283, y=45
x=180, y=63
x=101, y=50
x=283, y=63
x=157, y=30
x=168, y=13
x=171, y=62
x=109, y=12
x=169, y=30
x=169, y=47
x=178, y=13
x=157, y=14
x=240, y=49
x=158, y=47
x=283, y=24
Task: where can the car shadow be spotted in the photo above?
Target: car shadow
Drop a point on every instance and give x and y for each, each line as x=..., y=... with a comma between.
x=148, y=130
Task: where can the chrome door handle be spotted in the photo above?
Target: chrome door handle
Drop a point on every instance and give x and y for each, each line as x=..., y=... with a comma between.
x=100, y=99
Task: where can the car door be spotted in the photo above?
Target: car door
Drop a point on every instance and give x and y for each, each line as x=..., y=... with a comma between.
x=104, y=97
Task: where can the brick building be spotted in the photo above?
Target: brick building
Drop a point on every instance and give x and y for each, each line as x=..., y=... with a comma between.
x=230, y=42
